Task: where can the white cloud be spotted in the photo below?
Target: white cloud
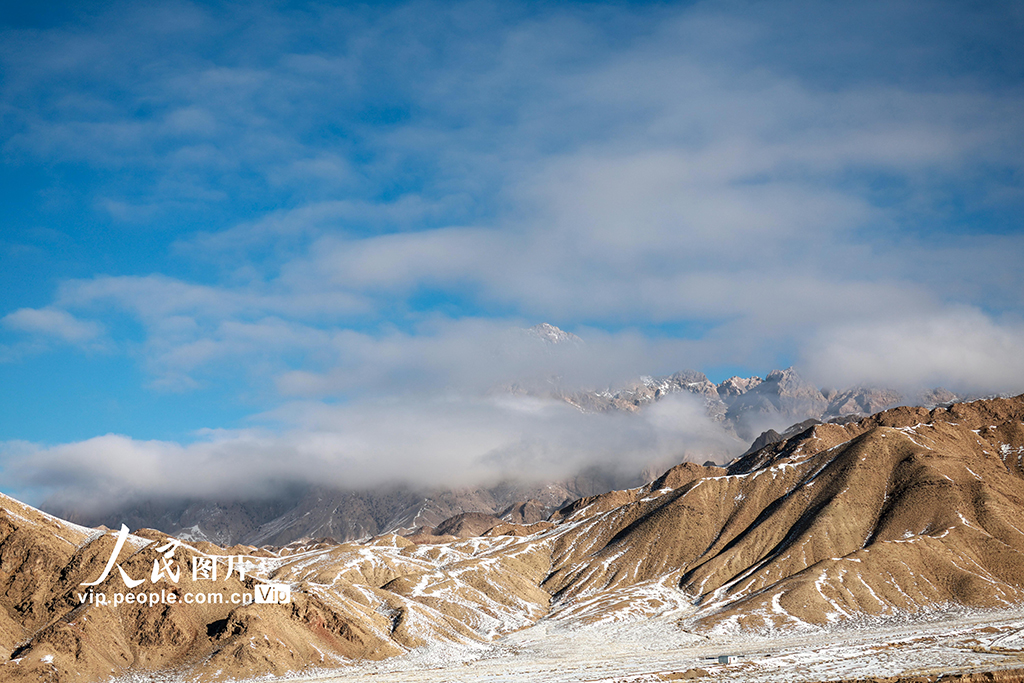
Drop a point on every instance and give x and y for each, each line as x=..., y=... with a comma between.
x=154, y=298
x=54, y=322
x=447, y=441
x=474, y=357
x=961, y=349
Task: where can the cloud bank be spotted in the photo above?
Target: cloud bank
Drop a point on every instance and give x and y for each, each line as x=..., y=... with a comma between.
x=443, y=442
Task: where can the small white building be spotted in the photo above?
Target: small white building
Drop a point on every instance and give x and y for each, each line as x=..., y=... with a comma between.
x=727, y=659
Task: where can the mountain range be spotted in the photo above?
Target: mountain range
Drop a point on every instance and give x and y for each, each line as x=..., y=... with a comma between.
x=907, y=511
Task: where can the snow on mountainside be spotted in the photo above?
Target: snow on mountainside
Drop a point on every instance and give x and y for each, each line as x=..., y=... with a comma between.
x=909, y=511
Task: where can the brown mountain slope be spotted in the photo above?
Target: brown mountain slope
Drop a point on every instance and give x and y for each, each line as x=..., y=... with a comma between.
x=904, y=511
x=53, y=630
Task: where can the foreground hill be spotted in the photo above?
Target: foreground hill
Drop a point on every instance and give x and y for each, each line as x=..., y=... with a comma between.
x=906, y=511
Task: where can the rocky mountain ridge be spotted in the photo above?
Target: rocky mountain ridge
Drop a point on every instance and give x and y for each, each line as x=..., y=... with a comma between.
x=745, y=405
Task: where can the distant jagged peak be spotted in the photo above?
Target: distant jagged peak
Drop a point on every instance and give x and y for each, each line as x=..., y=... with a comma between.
x=784, y=376
x=736, y=385
x=553, y=335
x=788, y=383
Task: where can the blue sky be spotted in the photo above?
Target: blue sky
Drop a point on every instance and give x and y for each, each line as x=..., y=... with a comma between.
x=282, y=224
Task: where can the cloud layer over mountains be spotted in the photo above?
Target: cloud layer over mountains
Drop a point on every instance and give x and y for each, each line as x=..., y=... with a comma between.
x=329, y=219
x=500, y=425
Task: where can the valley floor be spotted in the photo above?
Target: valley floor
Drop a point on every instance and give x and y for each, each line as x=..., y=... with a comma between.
x=941, y=643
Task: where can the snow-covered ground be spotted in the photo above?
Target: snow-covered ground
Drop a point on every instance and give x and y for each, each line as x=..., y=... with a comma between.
x=639, y=651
